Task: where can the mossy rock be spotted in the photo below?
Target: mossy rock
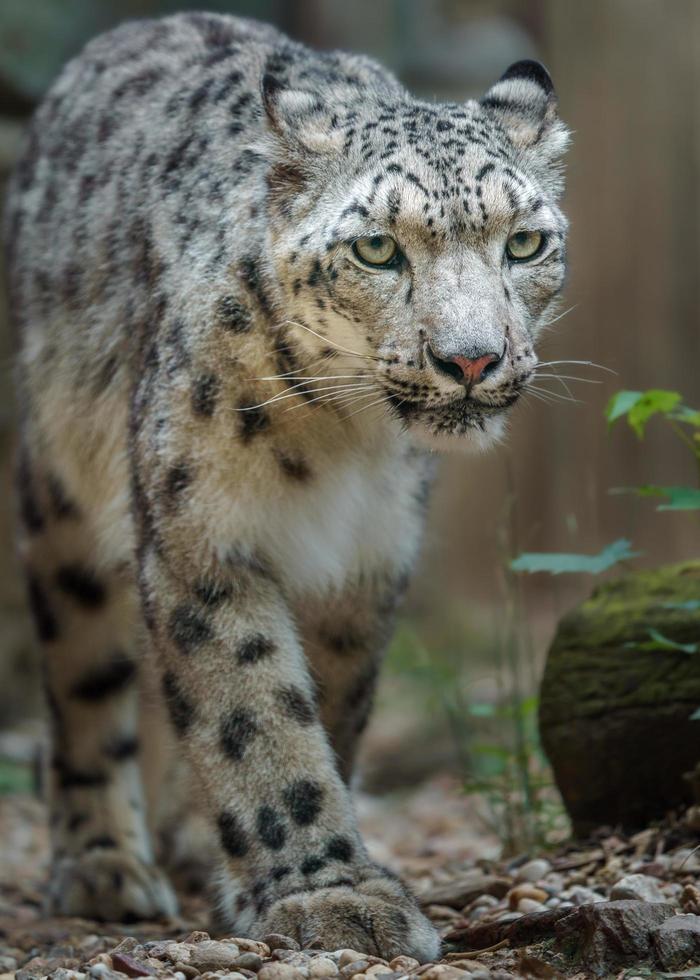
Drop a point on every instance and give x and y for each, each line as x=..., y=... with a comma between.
x=615, y=716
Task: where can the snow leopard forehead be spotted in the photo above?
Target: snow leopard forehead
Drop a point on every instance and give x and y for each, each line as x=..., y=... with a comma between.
x=455, y=170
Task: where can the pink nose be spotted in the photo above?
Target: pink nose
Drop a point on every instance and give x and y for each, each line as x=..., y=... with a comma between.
x=473, y=370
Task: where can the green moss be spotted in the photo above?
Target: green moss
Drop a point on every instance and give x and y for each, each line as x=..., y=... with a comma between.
x=596, y=660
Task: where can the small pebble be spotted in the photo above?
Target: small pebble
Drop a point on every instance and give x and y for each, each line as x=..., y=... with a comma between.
x=283, y=954
x=525, y=891
x=101, y=958
x=527, y=905
x=533, y=870
x=404, y=964
x=322, y=966
x=347, y=956
x=443, y=971
x=252, y=946
x=473, y=969
x=279, y=971
x=186, y=969
x=555, y=882
x=685, y=859
x=249, y=961
x=357, y=966
x=209, y=954
x=658, y=867
x=132, y=967
x=481, y=902
x=128, y=945
x=291, y=958
x=640, y=888
x=441, y=912
x=477, y=912
x=276, y=941
x=509, y=916
x=580, y=895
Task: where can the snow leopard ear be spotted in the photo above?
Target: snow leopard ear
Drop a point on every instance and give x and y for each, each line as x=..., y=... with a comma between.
x=524, y=102
x=298, y=117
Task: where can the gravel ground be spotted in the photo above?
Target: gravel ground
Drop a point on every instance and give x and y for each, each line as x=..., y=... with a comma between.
x=615, y=906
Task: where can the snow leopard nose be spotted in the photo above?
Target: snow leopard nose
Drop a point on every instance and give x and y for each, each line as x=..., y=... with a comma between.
x=468, y=371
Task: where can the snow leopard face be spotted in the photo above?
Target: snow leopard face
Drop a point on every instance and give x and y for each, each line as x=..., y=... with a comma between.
x=427, y=238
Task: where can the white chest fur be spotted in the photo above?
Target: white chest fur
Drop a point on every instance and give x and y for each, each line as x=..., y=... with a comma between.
x=355, y=515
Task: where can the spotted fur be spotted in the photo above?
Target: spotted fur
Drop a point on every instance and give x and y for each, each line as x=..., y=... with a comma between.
x=221, y=407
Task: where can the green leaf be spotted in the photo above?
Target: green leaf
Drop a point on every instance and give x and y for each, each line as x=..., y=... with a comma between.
x=653, y=402
x=529, y=705
x=557, y=563
x=689, y=416
x=678, y=498
x=621, y=403
x=482, y=710
x=695, y=715
x=489, y=749
x=648, y=490
x=658, y=641
x=15, y=777
x=689, y=606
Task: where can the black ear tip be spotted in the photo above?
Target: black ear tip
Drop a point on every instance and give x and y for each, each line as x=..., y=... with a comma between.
x=270, y=86
x=532, y=71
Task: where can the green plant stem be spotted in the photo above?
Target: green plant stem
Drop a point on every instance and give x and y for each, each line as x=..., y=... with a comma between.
x=688, y=442
x=513, y=649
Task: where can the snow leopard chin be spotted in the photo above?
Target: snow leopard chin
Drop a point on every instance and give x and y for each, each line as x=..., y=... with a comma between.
x=437, y=439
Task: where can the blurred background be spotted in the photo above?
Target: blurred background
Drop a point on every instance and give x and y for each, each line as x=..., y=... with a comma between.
x=465, y=664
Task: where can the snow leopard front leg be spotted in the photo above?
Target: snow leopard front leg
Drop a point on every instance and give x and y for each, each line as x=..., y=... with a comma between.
x=345, y=636
x=242, y=701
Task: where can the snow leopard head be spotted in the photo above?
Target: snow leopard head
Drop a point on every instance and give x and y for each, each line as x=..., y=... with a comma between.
x=426, y=239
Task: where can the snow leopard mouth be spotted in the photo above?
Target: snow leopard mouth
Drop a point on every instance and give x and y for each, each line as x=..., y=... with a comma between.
x=457, y=414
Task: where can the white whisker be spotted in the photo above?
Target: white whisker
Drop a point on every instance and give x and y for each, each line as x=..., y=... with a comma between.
x=278, y=350
x=544, y=396
x=312, y=377
x=552, y=394
x=556, y=377
x=384, y=398
x=560, y=316
x=331, y=343
x=283, y=395
x=324, y=398
x=538, y=397
x=337, y=400
x=569, y=377
x=601, y=367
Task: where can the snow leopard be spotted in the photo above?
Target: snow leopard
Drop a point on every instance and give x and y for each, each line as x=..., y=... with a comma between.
x=255, y=288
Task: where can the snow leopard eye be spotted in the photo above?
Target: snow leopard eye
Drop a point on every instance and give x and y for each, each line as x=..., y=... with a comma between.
x=376, y=250
x=524, y=245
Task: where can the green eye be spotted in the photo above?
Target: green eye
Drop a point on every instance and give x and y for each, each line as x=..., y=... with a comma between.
x=524, y=245
x=376, y=250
